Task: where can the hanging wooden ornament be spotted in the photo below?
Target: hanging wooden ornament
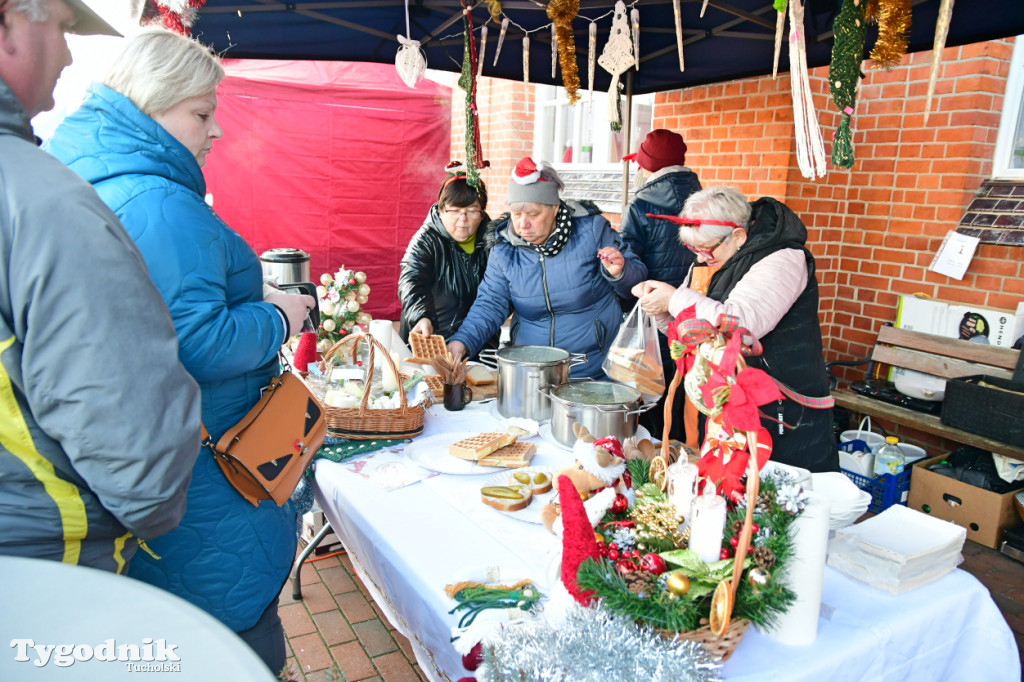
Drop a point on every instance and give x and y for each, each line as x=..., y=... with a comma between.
x=941, y=31
x=554, y=51
x=893, y=18
x=501, y=40
x=483, y=48
x=780, y=25
x=616, y=59
x=410, y=62
x=634, y=19
x=562, y=13
x=591, y=58
x=702, y=8
x=678, y=14
x=526, y=58
x=843, y=72
x=810, y=148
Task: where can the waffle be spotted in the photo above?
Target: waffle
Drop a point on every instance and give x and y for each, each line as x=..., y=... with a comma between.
x=436, y=387
x=480, y=445
x=511, y=456
x=426, y=348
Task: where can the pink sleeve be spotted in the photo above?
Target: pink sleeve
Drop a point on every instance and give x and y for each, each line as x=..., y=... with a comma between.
x=759, y=299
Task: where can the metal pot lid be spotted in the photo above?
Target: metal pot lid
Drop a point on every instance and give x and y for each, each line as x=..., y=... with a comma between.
x=596, y=393
x=284, y=256
x=533, y=354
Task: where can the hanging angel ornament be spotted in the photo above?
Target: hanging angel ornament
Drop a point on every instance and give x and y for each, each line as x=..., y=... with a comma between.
x=617, y=58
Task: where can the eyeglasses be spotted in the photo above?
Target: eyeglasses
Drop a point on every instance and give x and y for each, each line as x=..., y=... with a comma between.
x=463, y=212
x=708, y=253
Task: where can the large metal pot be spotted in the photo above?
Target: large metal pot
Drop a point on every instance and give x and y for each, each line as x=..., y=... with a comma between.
x=604, y=407
x=523, y=371
x=285, y=266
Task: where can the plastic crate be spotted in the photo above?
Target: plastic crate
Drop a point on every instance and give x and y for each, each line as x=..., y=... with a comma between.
x=885, y=490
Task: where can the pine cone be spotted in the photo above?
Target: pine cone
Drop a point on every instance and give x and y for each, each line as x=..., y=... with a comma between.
x=638, y=582
x=764, y=558
x=737, y=527
x=764, y=500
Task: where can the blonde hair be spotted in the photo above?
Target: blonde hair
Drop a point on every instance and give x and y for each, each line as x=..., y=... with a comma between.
x=157, y=69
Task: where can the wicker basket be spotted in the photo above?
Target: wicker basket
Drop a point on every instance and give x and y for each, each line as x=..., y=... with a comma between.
x=361, y=423
x=720, y=647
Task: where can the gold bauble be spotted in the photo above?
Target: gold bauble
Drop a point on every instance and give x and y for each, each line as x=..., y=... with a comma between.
x=758, y=579
x=678, y=584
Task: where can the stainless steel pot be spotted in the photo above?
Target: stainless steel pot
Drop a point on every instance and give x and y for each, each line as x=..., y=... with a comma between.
x=523, y=371
x=604, y=407
x=285, y=266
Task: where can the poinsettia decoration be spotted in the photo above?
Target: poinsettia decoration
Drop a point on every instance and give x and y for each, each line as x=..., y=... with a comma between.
x=176, y=15
x=725, y=458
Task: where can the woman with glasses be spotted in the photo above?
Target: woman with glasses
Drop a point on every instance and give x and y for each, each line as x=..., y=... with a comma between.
x=757, y=269
x=445, y=260
x=557, y=265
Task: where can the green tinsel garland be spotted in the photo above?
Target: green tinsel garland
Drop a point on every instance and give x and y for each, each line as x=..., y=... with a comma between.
x=843, y=72
x=685, y=613
x=466, y=82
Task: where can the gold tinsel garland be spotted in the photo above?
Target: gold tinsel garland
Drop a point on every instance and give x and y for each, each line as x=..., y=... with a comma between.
x=561, y=13
x=893, y=17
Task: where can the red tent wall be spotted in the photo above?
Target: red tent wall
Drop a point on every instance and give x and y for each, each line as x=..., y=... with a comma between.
x=341, y=160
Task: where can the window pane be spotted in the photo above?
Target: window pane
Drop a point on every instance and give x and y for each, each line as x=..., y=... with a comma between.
x=547, y=133
x=1017, y=150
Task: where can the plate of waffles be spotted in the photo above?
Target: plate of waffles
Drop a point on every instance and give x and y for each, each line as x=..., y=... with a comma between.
x=426, y=348
x=536, y=479
x=434, y=452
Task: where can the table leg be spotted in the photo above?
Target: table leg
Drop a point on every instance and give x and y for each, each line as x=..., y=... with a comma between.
x=306, y=551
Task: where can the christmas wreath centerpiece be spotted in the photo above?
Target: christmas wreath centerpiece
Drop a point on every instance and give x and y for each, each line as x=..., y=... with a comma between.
x=342, y=297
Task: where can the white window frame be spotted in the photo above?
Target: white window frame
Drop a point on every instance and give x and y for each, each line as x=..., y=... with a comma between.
x=551, y=96
x=1013, y=103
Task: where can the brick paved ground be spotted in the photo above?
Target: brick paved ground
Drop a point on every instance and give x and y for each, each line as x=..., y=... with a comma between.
x=337, y=623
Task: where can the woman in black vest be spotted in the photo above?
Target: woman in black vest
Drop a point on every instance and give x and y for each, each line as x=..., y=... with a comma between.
x=764, y=276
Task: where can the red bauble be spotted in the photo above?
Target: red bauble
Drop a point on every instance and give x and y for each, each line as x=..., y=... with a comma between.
x=352, y=281
x=625, y=566
x=653, y=563
x=620, y=505
x=613, y=554
x=724, y=554
x=474, y=658
x=734, y=541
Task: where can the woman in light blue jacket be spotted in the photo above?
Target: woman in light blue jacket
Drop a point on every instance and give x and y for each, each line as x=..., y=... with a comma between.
x=141, y=139
x=556, y=265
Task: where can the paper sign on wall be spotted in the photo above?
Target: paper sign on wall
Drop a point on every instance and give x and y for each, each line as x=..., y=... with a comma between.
x=954, y=255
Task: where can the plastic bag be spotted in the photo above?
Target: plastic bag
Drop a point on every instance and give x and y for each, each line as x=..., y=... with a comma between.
x=634, y=358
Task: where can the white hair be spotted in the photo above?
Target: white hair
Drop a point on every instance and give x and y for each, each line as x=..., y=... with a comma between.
x=714, y=203
x=157, y=69
x=35, y=10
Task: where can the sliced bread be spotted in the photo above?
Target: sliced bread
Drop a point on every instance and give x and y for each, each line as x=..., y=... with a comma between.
x=506, y=497
x=539, y=481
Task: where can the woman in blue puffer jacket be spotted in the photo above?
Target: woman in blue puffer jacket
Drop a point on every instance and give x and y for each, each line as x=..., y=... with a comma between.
x=557, y=266
x=141, y=139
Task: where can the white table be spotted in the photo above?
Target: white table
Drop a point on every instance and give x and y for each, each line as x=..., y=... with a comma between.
x=409, y=543
x=52, y=603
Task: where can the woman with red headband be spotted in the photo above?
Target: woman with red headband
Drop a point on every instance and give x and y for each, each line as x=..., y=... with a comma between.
x=758, y=270
x=445, y=260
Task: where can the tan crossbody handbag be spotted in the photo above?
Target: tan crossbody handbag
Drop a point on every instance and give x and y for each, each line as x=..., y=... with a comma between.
x=265, y=454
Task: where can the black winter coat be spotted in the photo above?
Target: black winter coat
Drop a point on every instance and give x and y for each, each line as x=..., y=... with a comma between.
x=439, y=280
x=792, y=351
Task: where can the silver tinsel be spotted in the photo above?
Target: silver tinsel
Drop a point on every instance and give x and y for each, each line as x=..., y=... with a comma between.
x=591, y=645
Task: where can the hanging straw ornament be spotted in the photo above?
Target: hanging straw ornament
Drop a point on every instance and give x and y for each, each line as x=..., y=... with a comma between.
x=526, y=59
x=616, y=59
x=562, y=13
x=634, y=18
x=893, y=18
x=843, y=72
x=678, y=14
x=941, y=30
x=591, y=58
x=501, y=40
x=410, y=62
x=483, y=48
x=554, y=51
x=810, y=148
x=780, y=25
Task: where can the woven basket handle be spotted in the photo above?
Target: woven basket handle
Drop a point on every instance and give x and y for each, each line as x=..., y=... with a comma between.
x=368, y=370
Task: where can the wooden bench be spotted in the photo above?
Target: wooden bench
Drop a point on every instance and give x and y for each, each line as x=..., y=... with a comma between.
x=937, y=355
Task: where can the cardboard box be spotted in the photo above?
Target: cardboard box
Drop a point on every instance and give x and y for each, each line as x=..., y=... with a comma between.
x=983, y=513
x=958, y=321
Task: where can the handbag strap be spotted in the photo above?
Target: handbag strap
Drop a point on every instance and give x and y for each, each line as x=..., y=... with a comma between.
x=223, y=446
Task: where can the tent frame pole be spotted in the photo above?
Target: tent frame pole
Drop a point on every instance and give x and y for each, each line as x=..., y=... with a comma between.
x=627, y=126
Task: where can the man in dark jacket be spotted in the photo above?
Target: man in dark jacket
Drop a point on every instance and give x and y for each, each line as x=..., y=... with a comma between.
x=666, y=185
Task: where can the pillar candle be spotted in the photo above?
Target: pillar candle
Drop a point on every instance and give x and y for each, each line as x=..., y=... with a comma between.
x=682, y=487
x=389, y=380
x=707, y=523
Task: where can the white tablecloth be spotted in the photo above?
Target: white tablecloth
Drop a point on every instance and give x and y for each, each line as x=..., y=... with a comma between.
x=409, y=543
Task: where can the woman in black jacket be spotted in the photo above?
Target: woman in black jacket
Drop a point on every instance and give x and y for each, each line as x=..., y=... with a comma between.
x=445, y=261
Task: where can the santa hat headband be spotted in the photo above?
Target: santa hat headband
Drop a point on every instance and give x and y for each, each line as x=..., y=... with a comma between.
x=586, y=454
x=694, y=222
x=528, y=184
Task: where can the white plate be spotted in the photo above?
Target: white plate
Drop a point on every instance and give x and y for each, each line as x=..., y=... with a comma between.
x=545, y=433
x=432, y=453
x=530, y=514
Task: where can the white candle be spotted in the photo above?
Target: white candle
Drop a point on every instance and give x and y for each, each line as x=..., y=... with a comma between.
x=682, y=487
x=707, y=524
x=389, y=379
